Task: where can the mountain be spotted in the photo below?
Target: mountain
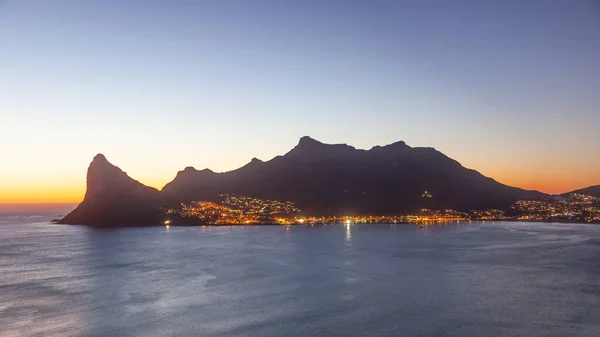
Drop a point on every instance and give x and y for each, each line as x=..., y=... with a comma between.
x=339, y=179
x=592, y=190
x=322, y=179
x=113, y=198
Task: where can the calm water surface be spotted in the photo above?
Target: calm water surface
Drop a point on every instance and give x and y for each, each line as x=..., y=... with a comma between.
x=479, y=279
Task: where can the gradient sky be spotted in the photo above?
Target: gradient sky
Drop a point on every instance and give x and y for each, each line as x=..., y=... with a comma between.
x=510, y=88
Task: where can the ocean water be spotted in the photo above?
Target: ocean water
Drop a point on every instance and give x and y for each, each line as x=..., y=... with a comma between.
x=457, y=279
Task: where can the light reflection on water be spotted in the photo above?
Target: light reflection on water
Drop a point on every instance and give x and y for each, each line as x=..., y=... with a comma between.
x=348, y=237
x=341, y=280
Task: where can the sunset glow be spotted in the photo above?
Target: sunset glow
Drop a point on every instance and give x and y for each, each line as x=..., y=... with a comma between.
x=299, y=167
x=509, y=89
x=553, y=178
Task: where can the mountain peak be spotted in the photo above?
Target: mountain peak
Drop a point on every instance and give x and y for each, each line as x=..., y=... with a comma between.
x=100, y=167
x=306, y=140
x=193, y=170
x=112, y=197
x=101, y=173
x=399, y=145
x=100, y=161
x=309, y=146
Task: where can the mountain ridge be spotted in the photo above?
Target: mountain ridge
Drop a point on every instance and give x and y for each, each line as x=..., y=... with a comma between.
x=594, y=191
x=322, y=179
x=112, y=197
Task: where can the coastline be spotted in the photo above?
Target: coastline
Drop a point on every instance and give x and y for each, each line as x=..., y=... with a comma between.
x=430, y=223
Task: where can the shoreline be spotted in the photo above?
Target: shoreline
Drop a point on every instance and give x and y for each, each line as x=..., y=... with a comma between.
x=431, y=223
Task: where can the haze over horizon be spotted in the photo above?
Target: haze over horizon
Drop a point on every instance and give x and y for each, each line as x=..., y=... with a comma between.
x=508, y=88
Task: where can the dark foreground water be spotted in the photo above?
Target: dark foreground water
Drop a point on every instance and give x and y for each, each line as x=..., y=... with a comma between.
x=502, y=279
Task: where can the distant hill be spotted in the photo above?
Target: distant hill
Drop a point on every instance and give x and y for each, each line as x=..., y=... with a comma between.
x=113, y=198
x=321, y=179
x=592, y=190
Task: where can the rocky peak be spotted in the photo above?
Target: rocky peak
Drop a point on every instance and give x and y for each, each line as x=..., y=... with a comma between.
x=396, y=146
x=112, y=197
x=308, y=146
x=308, y=141
x=99, y=158
x=102, y=176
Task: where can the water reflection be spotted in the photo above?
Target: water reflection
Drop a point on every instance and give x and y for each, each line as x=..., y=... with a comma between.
x=348, y=232
x=300, y=281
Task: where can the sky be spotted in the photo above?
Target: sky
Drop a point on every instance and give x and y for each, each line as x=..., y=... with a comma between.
x=510, y=88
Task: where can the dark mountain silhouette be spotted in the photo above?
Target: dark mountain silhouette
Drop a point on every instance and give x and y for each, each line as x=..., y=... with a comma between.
x=339, y=179
x=322, y=179
x=592, y=190
x=113, y=198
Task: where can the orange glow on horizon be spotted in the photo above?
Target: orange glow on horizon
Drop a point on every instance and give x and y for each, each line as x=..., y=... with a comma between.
x=56, y=192
x=49, y=192
x=562, y=177
x=549, y=182
x=42, y=194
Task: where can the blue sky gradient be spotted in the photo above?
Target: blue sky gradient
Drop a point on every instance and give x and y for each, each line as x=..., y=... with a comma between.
x=510, y=88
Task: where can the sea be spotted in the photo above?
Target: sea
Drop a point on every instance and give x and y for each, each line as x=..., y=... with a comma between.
x=451, y=279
